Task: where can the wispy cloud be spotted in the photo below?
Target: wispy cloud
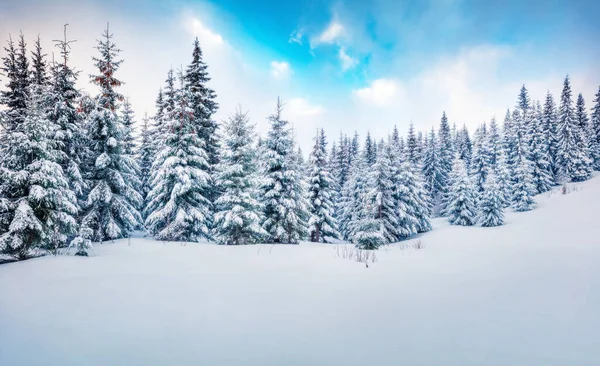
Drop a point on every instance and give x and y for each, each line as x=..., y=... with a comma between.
x=331, y=34
x=348, y=62
x=205, y=34
x=302, y=107
x=297, y=36
x=280, y=69
x=381, y=92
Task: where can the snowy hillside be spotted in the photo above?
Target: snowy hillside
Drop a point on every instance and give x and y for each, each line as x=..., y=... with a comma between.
x=527, y=293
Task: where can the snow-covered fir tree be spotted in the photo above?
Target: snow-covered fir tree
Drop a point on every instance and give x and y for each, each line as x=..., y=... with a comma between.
x=446, y=150
x=461, y=208
x=522, y=188
x=39, y=72
x=380, y=195
x=465, y=146
x=322, y=226
x=412, y=148
x=332, y=163
x=354, y=147
x=420, y=146
x=204, y=106
x=368, y=233
x=498, y=161
x=482, y=159
x=128, y=120
x=157, y=128
x=494, y=141
x=523, y=102
x=110, y=208
x=541, y=173
x=169, y=95
x=343, y=161
x=503, y=179
x=333, y=168
x=282, y=189
x=411, y=200
x=362, y=228
x=352, y=207
x=594, y=132
x=550, y=133
x=370, y=150
x=37, y=208
x=516, y=138
x=581, y=115
x=63, y=113
x=178, y=206
x=237, y=210
x=433, y=173
x=572, y=156
x=15, y=67
x=300, y=158
x=145, y=156
x=491, y=206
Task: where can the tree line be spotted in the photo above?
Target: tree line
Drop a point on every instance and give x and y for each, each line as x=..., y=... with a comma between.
x=74, y=170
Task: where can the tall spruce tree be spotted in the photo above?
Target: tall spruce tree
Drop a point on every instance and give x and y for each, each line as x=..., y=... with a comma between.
x=39, y=72
x=594, y=131
x=169, y=94
x=128, y=120
x=63, y=113
x=15, y=66
x=178, y=205
x=380, y=195
x=238, y=212
x=445, y=147
x=412, y=153
x=145, y=156
x=481, y=161
x=282, y=190
x=411, y=201
x=461, y=207
x=573, y=160
x=37, y=207
x=354, y=147
x=322, y=225
x=522, y=187
x=343, y=160
x=204, y=106
x=370, y=150
x=550, y=133
x=494, y=141
x=464, y=147
x=110, y=208
x=433, y=173
x=353, y=209
x=538, y=152
x=363, y=229
x=491, y=207
x=503, y=179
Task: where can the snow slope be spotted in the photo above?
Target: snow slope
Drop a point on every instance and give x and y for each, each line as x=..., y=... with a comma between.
x=527, y=293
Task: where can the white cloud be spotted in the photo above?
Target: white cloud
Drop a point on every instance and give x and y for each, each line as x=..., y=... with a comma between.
x=205, y=34
x=381, y=92
x=296, y=36
x=302, y=107
x=280, y=69
x=331, y=34
x=348, y=62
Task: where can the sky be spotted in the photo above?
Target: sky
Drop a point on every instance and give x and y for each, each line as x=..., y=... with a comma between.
x=340, y=65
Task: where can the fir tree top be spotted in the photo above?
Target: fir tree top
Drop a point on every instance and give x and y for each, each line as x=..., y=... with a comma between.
x=108, y=63
x=39, y=72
